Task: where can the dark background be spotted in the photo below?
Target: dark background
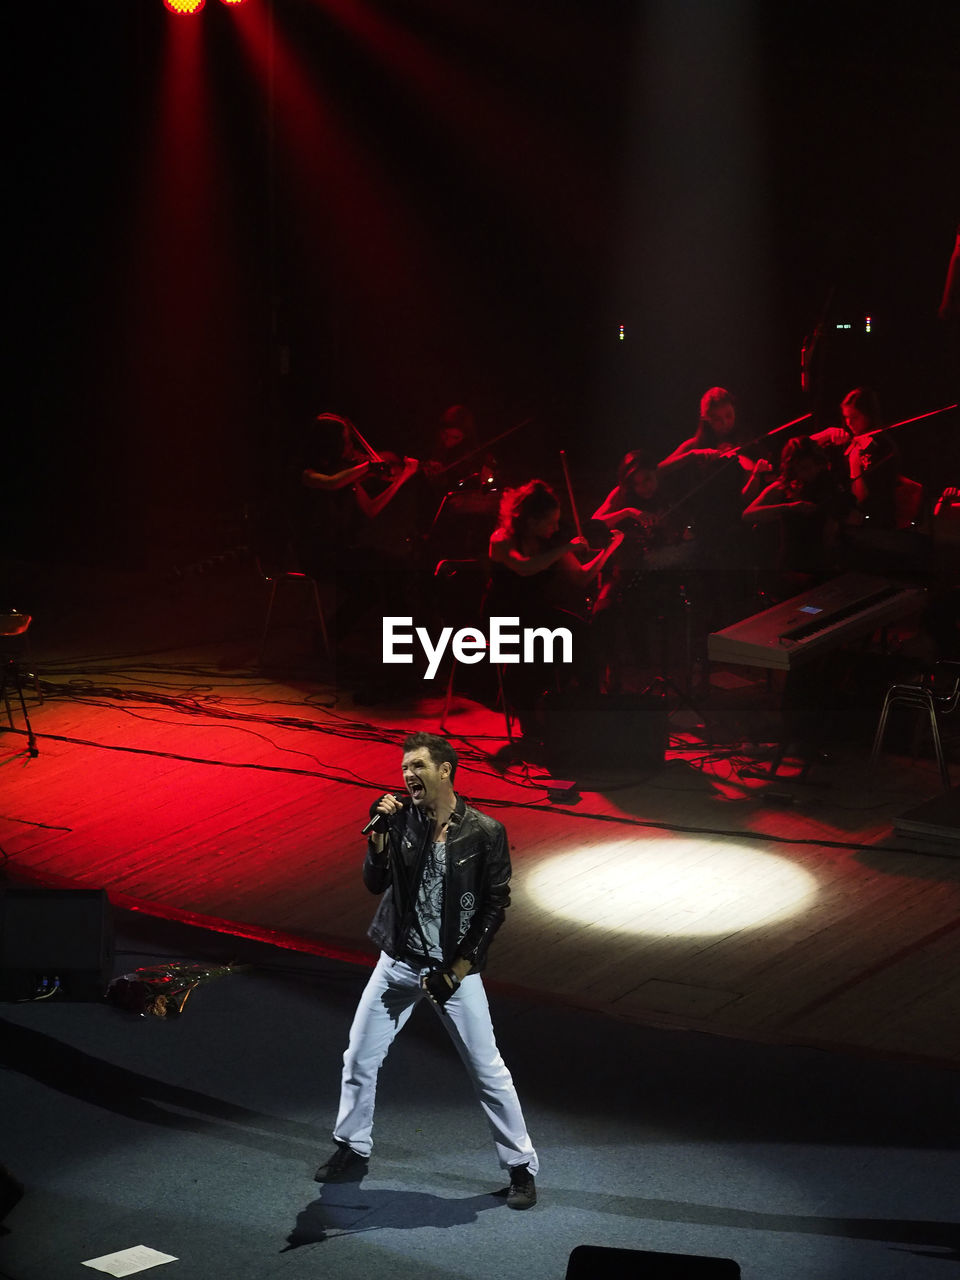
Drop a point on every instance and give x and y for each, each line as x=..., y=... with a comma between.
x=442, y=201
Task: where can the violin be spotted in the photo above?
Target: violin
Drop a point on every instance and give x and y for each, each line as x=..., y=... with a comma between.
x=387, y=464
x=643, y=525
x=649, y=529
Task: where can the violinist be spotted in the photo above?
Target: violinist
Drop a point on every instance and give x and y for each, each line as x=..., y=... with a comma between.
x=636, y=500
x=651, y=533
x=866, y=457
x=623, y=609
x=525, y=546
x=949, y=310
x=335, y=463
x=453, y=458
x=710, y=477
x=717, y=437
x=538, y=577
x=326, y=513
x=338, y=515
x=455, y=463
x=809, y=508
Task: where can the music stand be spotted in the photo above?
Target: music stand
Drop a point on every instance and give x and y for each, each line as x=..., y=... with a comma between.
x=664, y=684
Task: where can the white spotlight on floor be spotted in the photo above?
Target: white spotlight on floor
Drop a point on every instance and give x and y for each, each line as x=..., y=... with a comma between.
x=672, y=887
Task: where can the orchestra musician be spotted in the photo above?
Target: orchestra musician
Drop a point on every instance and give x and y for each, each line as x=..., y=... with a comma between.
x=949, y=309
x=452, y=457
x=343, y=491
x=809, y=508
x=718, y=434
x=941, y=622
x=869, y=463
x=636, y=498
x=708, y=480
x=719, y=440
x=335, y=463
x=536, y=576
x=456, y=466
x=626, y=603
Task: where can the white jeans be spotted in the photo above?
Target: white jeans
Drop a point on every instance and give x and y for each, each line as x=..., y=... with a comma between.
x=386, y=1004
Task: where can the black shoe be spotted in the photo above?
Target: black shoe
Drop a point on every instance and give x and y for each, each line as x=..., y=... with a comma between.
x=522, y=1192
x=344, y=1165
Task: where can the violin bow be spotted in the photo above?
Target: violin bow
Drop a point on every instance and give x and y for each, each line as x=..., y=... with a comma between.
x=906, y=421
x=730, y=453
x=336, y=417
x=573, y=501
x=486, y=445
x=371, y=452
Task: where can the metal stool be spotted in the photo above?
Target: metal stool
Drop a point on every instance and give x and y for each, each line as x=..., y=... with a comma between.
x=275, y=577
x=14, y=624
x=923, y=697
x=270, y=541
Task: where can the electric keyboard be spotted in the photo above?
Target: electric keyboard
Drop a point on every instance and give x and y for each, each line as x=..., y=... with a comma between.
x=814, y=622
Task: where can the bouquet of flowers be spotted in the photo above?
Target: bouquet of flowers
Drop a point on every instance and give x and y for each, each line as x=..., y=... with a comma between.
x=162, y=989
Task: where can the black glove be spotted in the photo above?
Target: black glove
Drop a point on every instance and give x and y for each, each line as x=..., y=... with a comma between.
x=439, y=984
x=381, y=822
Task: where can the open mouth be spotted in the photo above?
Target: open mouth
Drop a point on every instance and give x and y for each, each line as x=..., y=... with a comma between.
x=416, y=790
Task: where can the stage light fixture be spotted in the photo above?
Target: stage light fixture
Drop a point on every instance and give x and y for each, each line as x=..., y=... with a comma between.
x=184, y=8
x=232, y=3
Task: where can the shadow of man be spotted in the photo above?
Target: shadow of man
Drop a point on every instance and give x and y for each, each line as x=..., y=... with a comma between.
x=343, y=1208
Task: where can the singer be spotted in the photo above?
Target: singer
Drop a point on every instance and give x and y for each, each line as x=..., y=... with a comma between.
x=442, y=869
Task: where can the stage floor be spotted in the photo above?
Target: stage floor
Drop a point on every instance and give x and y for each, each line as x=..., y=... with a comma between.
x=191, y=783
x=199, y=1137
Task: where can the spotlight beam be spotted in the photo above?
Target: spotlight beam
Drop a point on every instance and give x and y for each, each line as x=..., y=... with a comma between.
x=471, y=111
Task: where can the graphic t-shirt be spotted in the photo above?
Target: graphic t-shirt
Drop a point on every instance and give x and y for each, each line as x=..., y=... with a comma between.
x=430, y=903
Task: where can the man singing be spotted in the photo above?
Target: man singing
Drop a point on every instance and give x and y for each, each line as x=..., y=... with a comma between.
x=443, y=869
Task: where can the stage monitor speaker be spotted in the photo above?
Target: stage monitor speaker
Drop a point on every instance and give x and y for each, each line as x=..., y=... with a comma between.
x=59, y=937
x=627, y=731
x=594, y=1262
x=11, y=1193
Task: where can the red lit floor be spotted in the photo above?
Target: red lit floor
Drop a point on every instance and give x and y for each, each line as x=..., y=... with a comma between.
x=179, y=777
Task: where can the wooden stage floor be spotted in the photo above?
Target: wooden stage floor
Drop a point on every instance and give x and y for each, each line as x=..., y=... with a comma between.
x=178, y=776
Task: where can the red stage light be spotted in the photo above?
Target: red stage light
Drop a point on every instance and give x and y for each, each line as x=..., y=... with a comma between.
x=231, y=2
x=184, y=6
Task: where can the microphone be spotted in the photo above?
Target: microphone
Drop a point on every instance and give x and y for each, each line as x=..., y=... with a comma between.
x=379, y=822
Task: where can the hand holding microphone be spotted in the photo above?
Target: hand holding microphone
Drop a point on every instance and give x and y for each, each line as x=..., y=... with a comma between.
x=382, y=811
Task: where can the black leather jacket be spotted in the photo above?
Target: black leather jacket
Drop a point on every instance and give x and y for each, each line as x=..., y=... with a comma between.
x=476, y=885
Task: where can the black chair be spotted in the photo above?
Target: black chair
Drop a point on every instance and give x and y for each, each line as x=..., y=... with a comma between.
x=934, y=696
